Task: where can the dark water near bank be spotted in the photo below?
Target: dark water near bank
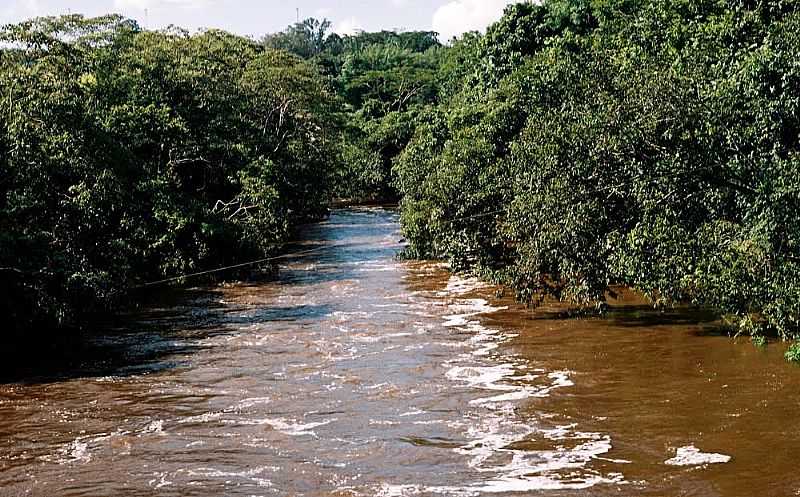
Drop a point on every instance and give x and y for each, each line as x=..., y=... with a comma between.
x=359, y=375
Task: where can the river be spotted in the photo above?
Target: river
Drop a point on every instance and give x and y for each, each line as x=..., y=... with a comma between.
x=356, y=374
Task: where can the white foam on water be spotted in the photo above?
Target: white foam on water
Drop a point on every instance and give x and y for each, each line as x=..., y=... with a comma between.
x=252, y=402
x=254, y=475
x=160, y=481
x=293, y=428
x=459, y=285
x=367, y=338
x=521, y=394
x=154, y=427
x=387, y=490
x=377, y=268
x=382, y=422
x=347, y=316
x=692, y=456
x=378, y=386
x=218, y=415
x=529, y=470
x=431, y=422
x=486, y=377
x=495, y=428
x=399, y=335
x=493, y=378
x=107, y=379
x=467, y=308
x=78, y=451
x=203, y=418
x=412, y=412
x=74, y=452
x=509, y=484
x=486, y=349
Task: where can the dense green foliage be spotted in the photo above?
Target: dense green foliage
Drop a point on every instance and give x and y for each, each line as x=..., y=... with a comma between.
x=128, y=155
x=647, y=143
x=577, y=145
x=385, y=80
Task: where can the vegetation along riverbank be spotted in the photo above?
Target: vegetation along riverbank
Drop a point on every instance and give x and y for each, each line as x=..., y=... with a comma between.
x=576, y=145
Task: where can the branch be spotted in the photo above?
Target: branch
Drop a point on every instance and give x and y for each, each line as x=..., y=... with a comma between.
x=178, y=162
x=220, y=205
x=245, y=210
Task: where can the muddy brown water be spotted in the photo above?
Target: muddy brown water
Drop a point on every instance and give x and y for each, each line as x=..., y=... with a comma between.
x=356, y=374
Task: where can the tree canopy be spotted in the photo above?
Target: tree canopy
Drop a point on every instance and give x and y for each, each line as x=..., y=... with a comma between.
x=129, y=155
x=651, y=144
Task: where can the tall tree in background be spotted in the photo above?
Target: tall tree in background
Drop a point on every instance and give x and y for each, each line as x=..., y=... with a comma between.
x=307, y=39
x=383, y=79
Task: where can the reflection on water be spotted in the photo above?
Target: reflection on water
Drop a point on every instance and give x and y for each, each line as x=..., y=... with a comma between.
x=355, y=374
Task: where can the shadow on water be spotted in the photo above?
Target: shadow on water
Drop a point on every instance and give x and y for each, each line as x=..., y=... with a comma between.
x=632, y=316
x=150, y=340
x=86, y=356
x=171, y=324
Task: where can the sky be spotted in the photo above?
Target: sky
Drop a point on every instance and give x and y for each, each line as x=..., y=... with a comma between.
x=258, y=17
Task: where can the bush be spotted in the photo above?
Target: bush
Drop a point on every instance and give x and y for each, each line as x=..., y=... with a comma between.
x=128, y=156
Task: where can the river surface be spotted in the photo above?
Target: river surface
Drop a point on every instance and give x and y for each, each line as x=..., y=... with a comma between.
x=355, y=374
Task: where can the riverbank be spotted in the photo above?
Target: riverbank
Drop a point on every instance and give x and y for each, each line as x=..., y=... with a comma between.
x=647, y=144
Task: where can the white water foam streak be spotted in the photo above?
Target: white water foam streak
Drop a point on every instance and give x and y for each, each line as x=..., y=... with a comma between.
x=495, y=427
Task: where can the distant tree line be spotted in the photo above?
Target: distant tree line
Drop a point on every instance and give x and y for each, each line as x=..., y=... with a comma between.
x=385, y=81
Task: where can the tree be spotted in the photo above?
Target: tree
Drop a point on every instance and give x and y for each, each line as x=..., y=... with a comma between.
x=306, y=39
x=651, y=144
x=130, y=156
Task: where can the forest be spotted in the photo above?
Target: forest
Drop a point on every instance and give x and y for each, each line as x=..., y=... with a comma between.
x=576, y=146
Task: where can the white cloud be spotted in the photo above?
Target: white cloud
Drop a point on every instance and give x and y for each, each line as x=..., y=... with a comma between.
x=20, y=10
x=152, y=4
x=323, y=12
x=460, y=16
x=348, y=26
